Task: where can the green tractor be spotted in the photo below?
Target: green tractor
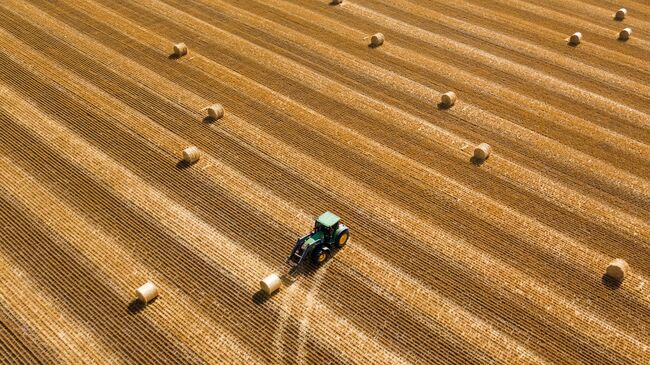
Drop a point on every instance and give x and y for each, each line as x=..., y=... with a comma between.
x=328, y=234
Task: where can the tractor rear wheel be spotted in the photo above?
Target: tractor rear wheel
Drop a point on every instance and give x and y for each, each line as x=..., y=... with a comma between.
x=342, y=238
x=320, y=255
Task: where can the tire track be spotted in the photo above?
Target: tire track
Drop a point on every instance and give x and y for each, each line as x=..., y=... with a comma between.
x=145, y=237
x=346, y=189
x=348, y=208
x=472, y=227
x=152, y=136
x=318, y=350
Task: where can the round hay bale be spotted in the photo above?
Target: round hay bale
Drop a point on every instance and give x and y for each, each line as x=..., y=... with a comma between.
x=625, y=34
x=377, y=40
x=146, y=292
x=448, y=99
x=270, y=284
x=620, y=14
x=180, y=49
x=216, y=111
x=575, y=38
x=617, y=269
x=482, y=151
x=191, y=155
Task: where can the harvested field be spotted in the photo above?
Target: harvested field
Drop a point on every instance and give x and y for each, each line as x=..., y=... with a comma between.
x=451, y=260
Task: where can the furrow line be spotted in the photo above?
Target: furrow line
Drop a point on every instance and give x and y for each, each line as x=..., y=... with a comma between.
x=456, y=194
x=470, y=258
x=244, y=267
x=617, y=110
x=556, y=119
x=124, y=273
x=534, y=181
x=371, y=149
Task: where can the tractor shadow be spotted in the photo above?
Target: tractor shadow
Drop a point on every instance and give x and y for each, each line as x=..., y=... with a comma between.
x=610, y=283
x=309, y=269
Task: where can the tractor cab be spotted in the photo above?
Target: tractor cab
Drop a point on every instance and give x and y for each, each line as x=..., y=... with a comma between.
x=328, y=234
x=327, y=223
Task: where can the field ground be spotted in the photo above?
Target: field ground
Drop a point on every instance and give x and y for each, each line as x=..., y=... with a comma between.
x=450, y=261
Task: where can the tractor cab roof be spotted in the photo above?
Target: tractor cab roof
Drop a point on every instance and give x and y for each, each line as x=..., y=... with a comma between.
x=328, y=219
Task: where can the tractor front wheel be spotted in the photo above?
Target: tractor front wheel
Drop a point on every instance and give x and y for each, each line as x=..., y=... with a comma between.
x=320, y=255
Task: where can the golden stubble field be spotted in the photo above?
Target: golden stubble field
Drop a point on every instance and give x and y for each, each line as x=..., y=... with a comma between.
x=449, y=262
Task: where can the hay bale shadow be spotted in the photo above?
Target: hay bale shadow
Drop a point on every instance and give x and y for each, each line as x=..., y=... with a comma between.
x=574, y=45
x=476, y=161
x=173, y=56
x=208, y=120
x=334, y=3
x=182, y=165
x=372, y=46
x=610, y=283
x=136, y=306
x=260, y=297
x=443, y=106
